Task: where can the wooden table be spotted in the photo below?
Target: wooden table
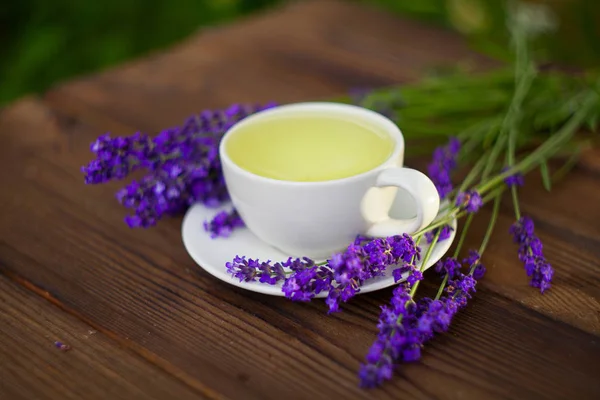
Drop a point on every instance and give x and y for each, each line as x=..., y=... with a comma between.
x=143, y=321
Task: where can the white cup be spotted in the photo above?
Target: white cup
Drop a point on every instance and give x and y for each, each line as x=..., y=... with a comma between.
x=316, y=219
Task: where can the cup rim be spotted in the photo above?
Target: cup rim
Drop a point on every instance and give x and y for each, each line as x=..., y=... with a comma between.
x=390, y=127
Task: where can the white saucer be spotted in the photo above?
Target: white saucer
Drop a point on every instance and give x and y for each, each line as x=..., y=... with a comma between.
x=212, y=254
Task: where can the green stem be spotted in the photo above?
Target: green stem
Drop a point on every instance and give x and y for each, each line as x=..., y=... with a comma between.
x=413, y=290
x=549, y=146
x=444, y=221
x=490, y=229
x=498, y=146
x=515, y=200
x=484, y=243
x=463, y=235
x=442, y=286
x=492, y=195
x=474, y=172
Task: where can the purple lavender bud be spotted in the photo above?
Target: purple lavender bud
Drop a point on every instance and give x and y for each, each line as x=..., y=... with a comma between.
x=448, y=266
x=304, y=284
x=443, y=163
x=251, y=270
x=470, y=201
x=223, y=224
x=478, y=272
x=115, y=157
x=400, y=339
x=444, y=234
x=472, y=259
x=531, y=254
x=516, y=179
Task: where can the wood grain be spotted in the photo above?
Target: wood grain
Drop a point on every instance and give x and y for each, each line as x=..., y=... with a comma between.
x=95, y=367
x=67, y=242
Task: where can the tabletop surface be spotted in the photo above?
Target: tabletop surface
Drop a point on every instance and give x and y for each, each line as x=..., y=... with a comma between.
x=143, y=321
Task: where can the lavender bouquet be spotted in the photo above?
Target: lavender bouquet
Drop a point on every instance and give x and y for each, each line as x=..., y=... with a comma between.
x=490, y=129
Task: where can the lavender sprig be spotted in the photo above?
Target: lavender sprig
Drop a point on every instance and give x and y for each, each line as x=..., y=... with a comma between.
x=444, y=161
x=249, y=270
x=405, y=325
x=531, y=254
x=342, y=275
x=183, y=165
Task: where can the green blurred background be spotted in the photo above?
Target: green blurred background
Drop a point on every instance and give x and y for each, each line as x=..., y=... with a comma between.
x=46, y=41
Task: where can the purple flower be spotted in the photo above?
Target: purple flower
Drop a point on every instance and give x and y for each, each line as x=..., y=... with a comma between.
x=304, y=284
x=514, y=180
x=398, y=340
x=343, y=274
x=252, y=270
x=470, y=201
x=478, y=271
x=531, y=254
x=444, y=234
x=472, y=261
x=443, y=163
x=409, y=272
x=115, y=157
x=223, y=223
x=362, y=262
x=448, y=266
x=405, y=326
x=182, y=162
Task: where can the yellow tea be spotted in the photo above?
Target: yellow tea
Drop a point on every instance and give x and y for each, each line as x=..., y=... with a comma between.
x=309, y=148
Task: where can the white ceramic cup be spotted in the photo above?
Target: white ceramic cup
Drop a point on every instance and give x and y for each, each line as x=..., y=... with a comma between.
x=316, y=219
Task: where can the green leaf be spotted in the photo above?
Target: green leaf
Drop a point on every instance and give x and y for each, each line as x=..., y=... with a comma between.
x=546, y=175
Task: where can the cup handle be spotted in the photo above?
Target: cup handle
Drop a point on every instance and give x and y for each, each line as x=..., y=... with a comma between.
x=423, y=192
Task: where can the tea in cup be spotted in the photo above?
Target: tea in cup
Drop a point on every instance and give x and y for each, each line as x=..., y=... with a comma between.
x=307, y=178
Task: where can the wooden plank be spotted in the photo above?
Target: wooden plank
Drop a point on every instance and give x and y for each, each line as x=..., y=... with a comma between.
x=69, y=239
x=95, y=367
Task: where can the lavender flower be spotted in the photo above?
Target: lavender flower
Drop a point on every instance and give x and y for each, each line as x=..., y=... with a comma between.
x=405, y=325
x=397, y=341
x=183, y=165
x=441, y=167
x=516, y=179
x=444, y=234
x=448, y=266
x=531, y=254
x=410, y=272
x=223, y=224
x=361, y=262
x=472, y=261
x=342, y=275
x=470, y=201
x=305, y=283
x=250, y=270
